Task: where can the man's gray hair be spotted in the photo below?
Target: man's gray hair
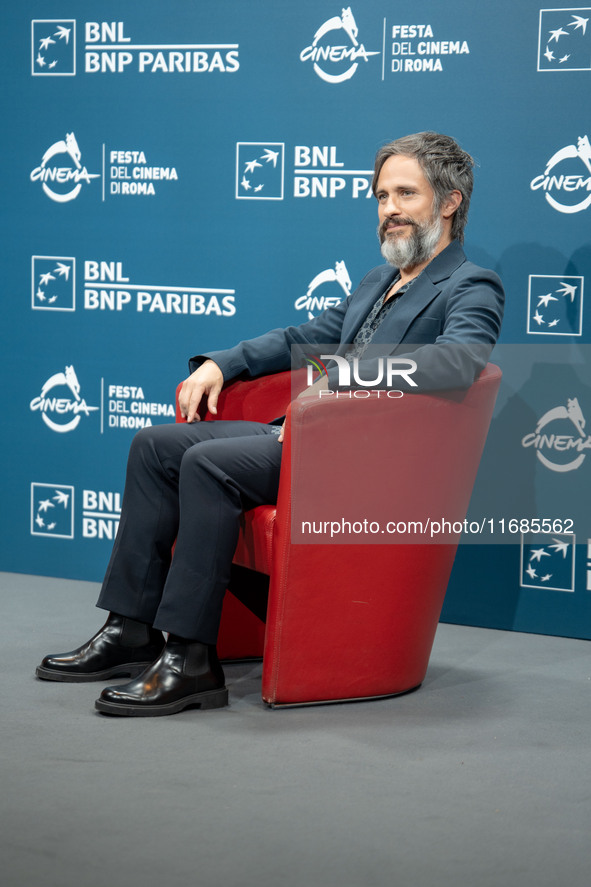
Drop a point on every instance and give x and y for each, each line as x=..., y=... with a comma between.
x=444, y=164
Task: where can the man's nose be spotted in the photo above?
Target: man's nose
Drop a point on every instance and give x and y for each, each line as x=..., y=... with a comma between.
x=390, y=206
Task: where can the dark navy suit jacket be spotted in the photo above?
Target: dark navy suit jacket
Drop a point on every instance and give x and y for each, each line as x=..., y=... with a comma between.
x=448, y=322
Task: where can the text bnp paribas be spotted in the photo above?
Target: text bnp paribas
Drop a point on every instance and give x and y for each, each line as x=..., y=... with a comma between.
x=108, y=50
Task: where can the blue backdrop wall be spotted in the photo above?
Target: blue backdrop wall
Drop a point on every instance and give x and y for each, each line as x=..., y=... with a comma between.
x=180, y=176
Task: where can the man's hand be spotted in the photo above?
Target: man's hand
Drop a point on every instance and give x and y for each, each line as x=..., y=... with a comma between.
x=320, y=384
x=205, y=381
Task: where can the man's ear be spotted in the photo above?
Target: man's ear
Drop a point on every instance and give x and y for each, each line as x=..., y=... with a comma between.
x=451, y=204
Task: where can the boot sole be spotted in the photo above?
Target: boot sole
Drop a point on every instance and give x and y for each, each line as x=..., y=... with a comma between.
x=127, y=670
x=208, y=699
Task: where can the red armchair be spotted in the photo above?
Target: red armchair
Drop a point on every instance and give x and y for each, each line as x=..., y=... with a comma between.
x=350, y=617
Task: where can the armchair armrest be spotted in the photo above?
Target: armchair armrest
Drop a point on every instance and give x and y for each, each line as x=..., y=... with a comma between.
x=257, y=400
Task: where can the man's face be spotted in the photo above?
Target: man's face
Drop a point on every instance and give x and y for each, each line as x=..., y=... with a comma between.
x=409, y=230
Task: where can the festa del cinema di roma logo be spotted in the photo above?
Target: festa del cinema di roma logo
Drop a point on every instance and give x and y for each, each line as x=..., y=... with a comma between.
x=336, y=52
x=549, y=445
x=563, y=177
x=61, y=173
x=129, y=173
x=60, y=403
x=335, y=62
x=62, y=407
x=319, y=302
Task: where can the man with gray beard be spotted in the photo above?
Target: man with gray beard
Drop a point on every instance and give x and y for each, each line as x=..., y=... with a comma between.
x=190, y=482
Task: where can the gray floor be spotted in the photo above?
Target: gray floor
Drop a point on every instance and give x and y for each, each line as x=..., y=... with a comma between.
x=482, y=777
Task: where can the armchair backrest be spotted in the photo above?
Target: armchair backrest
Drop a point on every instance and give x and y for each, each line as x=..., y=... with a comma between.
x=410, y=459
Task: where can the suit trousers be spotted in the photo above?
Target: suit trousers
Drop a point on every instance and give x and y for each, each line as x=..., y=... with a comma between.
x=190, y=483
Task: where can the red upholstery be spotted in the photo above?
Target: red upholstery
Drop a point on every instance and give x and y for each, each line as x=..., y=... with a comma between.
x=348, y=620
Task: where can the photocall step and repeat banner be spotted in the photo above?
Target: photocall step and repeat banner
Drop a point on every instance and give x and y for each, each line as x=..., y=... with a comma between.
x=180, y=176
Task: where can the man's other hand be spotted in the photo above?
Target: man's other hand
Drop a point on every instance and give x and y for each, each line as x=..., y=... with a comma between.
x=206, y=381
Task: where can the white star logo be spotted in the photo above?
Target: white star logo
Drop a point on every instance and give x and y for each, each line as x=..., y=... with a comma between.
x=555, y=35
x=544, y=300
x=579, y=22
x=560, y=546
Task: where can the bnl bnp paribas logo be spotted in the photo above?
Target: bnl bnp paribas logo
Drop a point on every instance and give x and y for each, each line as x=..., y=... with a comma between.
x=564, y=42
x=555, y=305
x=108, y=49
x=53, y=510
x=317, y=172
x=53, y=283
x=566, y=180
x=106, y=287
x=548, y=561
x=53, y=47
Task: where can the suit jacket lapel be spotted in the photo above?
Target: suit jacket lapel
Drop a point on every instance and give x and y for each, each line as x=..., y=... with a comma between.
x=393, y=330
x=421, y=293
x=363, y=303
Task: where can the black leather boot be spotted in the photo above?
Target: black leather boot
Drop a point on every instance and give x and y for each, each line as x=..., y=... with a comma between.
x=187, y=673
x=122, y=648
